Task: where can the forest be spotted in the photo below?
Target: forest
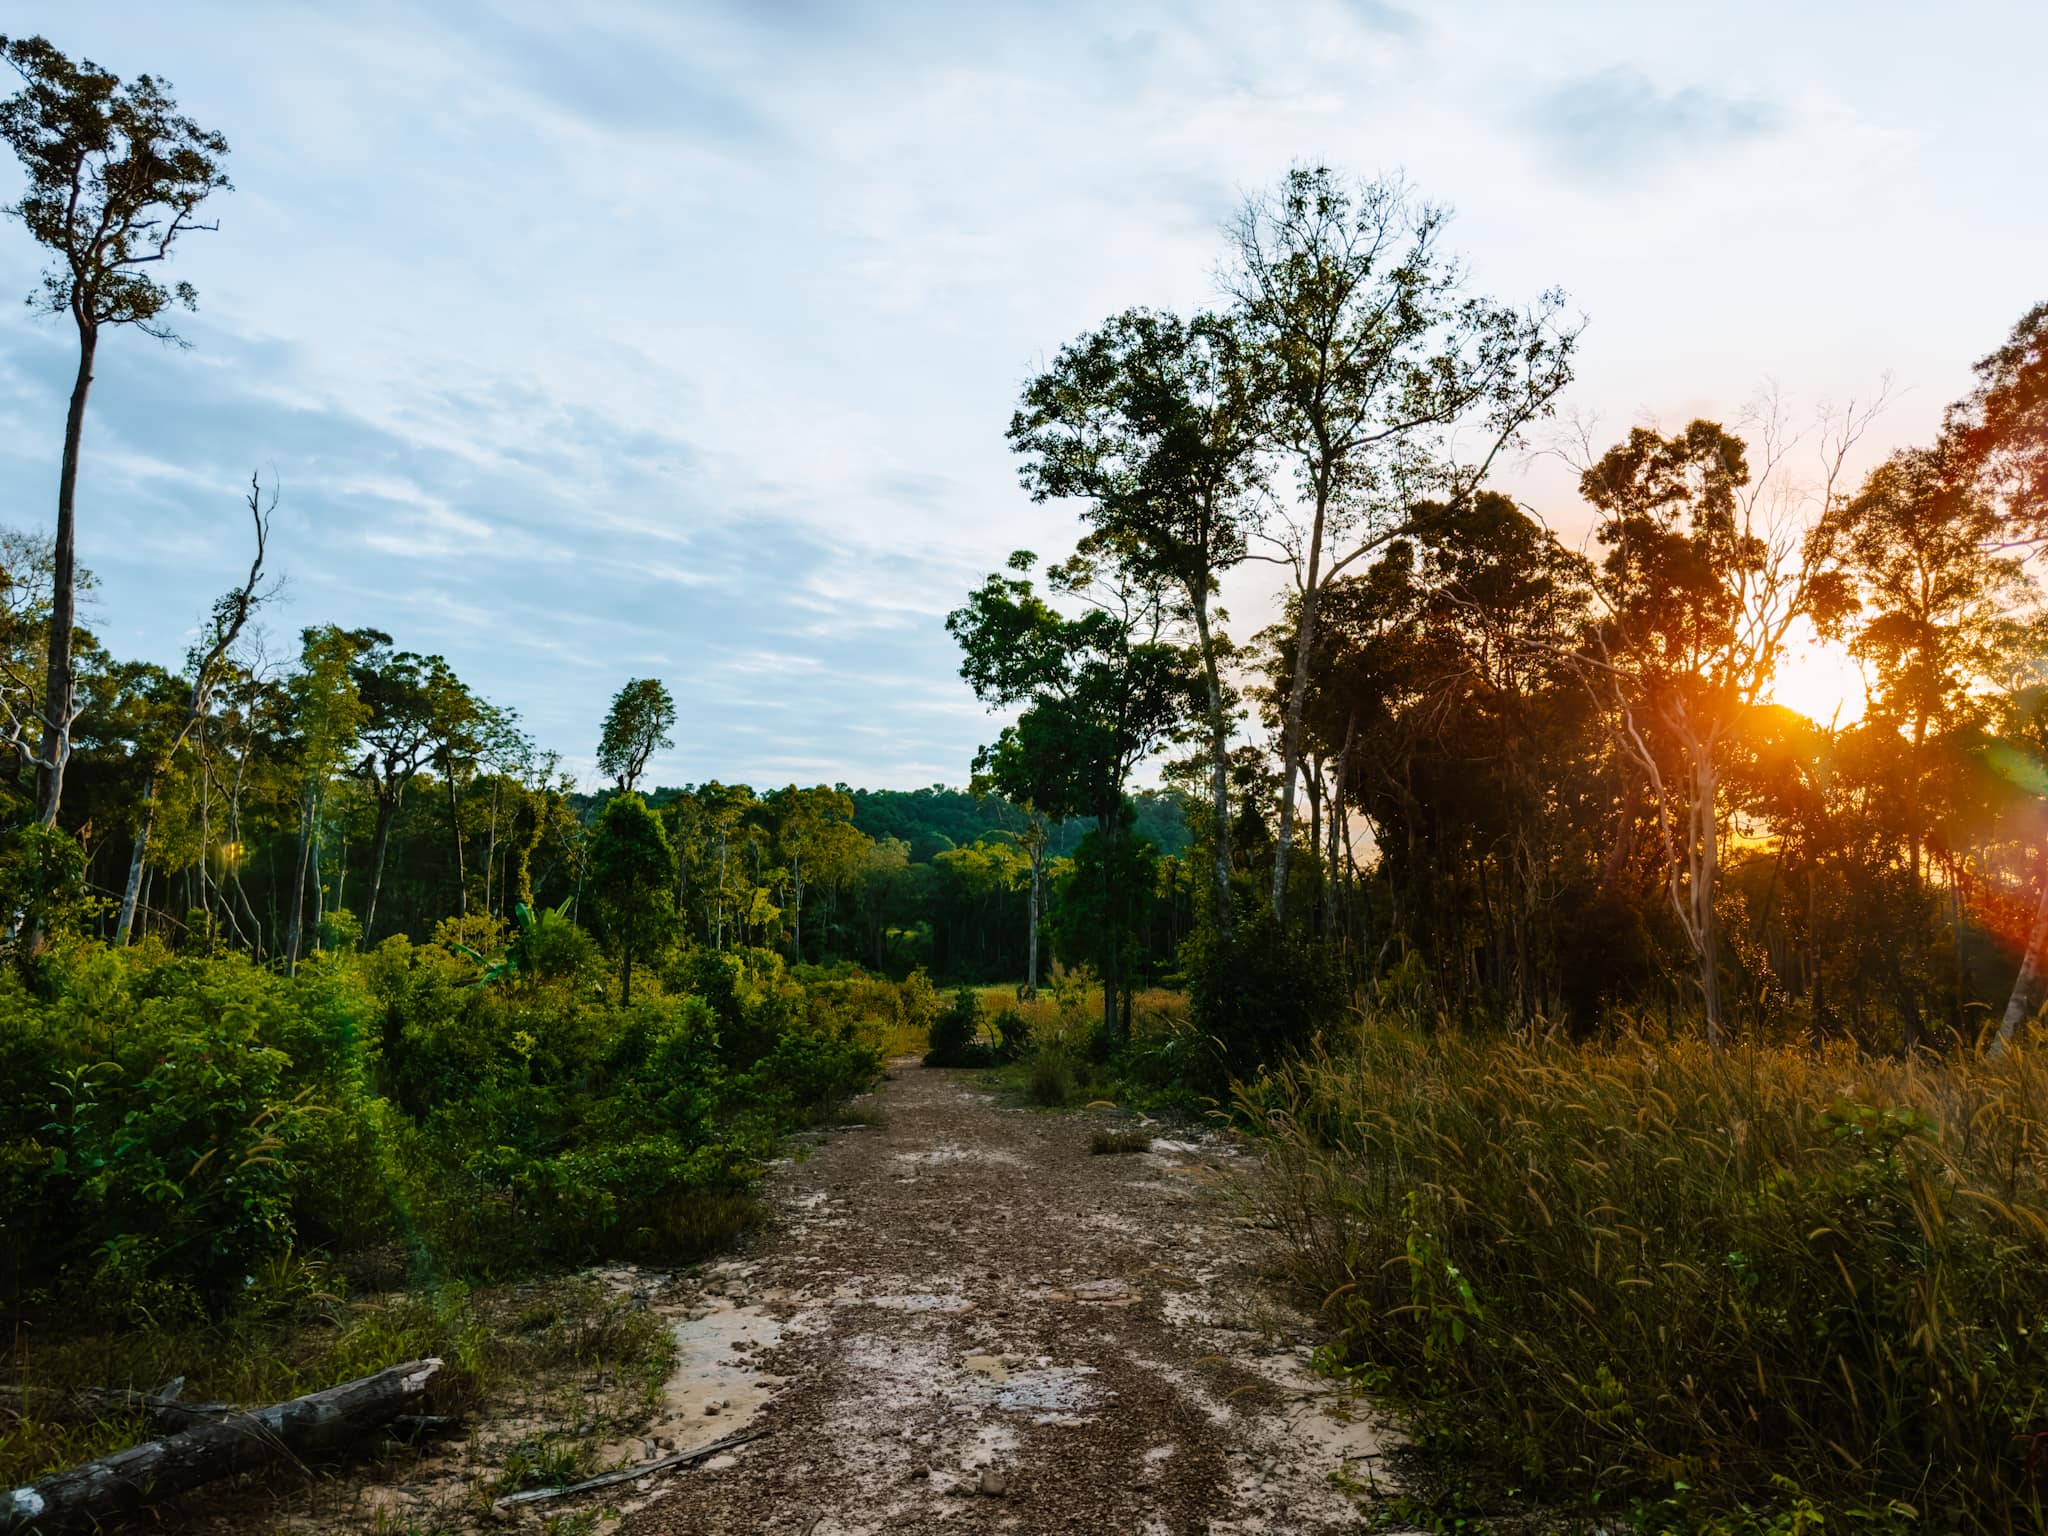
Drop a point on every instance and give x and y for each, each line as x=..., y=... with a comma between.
x=1643, y=1067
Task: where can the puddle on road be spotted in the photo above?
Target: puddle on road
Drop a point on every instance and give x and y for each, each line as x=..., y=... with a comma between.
x=1052, y=1394
x=715, y=1389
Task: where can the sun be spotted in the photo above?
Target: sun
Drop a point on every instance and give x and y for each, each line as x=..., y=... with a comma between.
x=1817, y=678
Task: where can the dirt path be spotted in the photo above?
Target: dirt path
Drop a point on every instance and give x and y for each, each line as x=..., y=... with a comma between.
x=960, y=1320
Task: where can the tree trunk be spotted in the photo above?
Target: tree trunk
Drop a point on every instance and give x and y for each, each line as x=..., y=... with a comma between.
x=132, y=891
x=1336, y=800
x=56, y=744
x=380, y=840
x=86, y=1497
x=295, y=929
x=319, y=884
x=2026, y=987
x=1290, y=727
x=796, y=872
x=455, y=821
x=1112, y=956
x=1219, y=765
x=1706, y=830
x=625, y=976
x=491, y=842
x=1036, y=849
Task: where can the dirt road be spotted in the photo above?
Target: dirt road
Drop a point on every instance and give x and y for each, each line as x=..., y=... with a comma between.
x=960, y=1320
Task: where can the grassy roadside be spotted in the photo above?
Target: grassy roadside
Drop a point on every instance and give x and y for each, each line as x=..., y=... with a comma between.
x=1743, y=1292
x=592, y=1354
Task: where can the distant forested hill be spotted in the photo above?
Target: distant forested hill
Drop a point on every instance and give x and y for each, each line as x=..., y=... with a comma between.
x=935, y=819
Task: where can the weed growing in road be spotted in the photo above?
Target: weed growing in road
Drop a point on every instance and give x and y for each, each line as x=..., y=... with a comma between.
x=1107, y=1141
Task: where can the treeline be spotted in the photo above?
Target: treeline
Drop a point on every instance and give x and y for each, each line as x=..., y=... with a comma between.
x=366, y=791
x=1496, y=778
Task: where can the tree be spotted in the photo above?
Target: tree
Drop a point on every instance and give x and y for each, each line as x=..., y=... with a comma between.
x=414, y=704
x=1378, y=373
x=632, y=872
x=1923, y=604
x=1461, y=735
x=1705, y=572
x=204, y=666
x=116, y=174
x=1150, y=420
x=1998, y=436
x=814, y=831
x=1998, y=433
x=635, y=728
x=465, y=729
x=1027, y=765
x=1101, y=690
x=327, y=713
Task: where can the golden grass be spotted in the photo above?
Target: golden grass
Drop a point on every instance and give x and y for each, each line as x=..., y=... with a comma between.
x=1649, y=1273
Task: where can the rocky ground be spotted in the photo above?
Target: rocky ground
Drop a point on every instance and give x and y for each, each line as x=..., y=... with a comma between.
x=961, y=1320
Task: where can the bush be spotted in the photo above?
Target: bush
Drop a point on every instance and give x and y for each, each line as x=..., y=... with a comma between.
x=1255, y=995
x=955, y=1034
x=1013, y=1035
x=917, y=1004
x=1653, y=1274
x=178, y=1130
x=164, y=1144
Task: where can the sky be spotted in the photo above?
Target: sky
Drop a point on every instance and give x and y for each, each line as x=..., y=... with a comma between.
x=610, y=340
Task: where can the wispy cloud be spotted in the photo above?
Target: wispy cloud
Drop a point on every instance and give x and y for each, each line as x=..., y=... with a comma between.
x=682, y=338
x=1620, y=121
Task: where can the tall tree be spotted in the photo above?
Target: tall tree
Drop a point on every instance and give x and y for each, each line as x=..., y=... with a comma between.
x=632, y=872
x=1998, y=435
x=635, y=728
x=1101, y=690
x=1706, y=570
x=414, y=703
x=204, y=668
x=1926, y=589
x=1150, y=421
x=327, y=713
x=814, y=831
x=1385, y=384
x=116, y=174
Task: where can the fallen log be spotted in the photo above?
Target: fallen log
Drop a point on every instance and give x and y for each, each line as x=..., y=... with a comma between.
x=88, y=1496
x=85, y=1404
x=630, y=1474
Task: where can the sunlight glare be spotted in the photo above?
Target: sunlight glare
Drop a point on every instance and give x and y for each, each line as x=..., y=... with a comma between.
x=1818, y=678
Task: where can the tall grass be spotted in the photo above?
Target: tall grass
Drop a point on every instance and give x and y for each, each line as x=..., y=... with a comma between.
x=1648, y=1277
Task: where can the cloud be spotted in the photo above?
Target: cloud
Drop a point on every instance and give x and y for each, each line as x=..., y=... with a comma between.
x=681, y=339
x=1619, y=122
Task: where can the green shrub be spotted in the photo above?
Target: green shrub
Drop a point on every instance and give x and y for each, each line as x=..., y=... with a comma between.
x=1012, y=1033
x=179, y=1131
x=808, y=1074
x=1255, y=996
x=955, y=1034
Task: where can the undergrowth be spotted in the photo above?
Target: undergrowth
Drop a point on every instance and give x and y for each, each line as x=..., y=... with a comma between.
x=492, y=1341
x=1742, y=1291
